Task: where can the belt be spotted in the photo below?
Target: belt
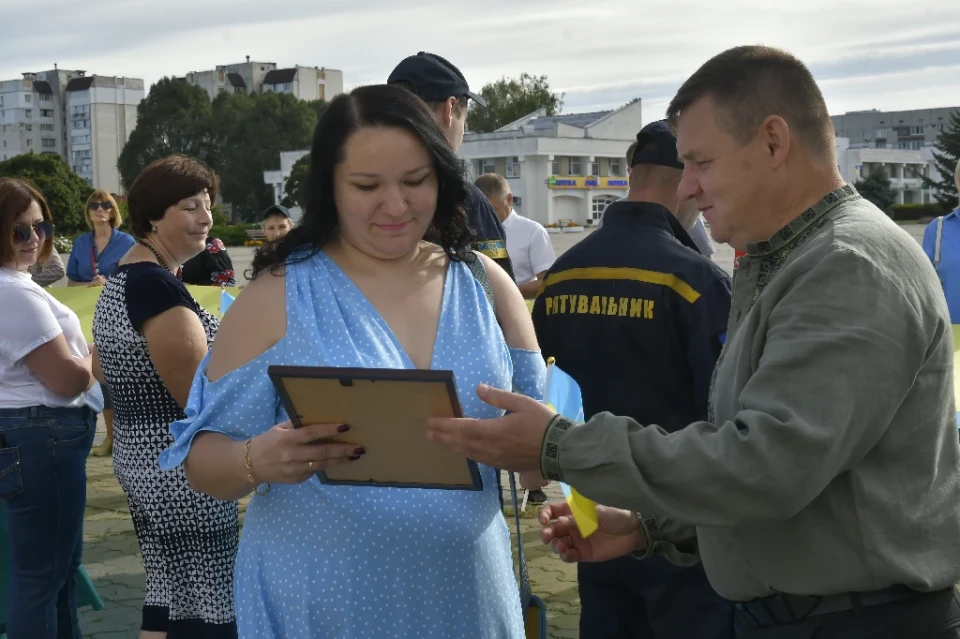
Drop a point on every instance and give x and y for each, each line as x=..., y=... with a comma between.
x=782, y=609
x=46, y=412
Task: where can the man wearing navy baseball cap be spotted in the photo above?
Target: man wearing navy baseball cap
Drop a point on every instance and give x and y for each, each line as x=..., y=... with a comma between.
x=442, y=86
x=636, y=318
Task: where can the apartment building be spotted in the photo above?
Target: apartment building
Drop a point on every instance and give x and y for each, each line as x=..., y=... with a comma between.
x=86, y=120
x=900, y=142
x=305, y=83
x=562, y=167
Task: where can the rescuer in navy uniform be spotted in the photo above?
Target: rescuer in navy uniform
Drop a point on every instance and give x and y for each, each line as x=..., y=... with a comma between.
x=637, y=316
x=442, y=86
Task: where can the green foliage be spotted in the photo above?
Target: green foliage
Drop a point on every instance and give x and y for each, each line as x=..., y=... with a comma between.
x=900, y=212
x=65, y=191
x=174, y=118
x=946, y=156
x=219, y=217
x=235, y=235
x=509, y=99
x=877, y=188
x=319, y=107
x=252, y=132
x=238, y=135
x=293, y=189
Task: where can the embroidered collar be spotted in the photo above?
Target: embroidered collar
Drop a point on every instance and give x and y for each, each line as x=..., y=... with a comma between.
x=794, y=229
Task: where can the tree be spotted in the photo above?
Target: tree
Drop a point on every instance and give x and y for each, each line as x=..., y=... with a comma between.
x=877, y=188
x=511, y=99
x=319, y=107
x=65, y=191
x=946, y=156
x=293, y=189
x=252, y=131
x=174, y=118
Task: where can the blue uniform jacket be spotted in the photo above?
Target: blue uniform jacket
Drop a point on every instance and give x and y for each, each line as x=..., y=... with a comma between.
x=637, y=316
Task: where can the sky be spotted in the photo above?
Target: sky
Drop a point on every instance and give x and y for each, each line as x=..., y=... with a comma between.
x=865, y=54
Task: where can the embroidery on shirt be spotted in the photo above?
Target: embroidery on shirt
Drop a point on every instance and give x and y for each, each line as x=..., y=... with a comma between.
x=773, y=253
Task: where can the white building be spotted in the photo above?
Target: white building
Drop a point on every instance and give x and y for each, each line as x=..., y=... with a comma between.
x=904, y=167
x=278, y=179
x=305, y=83
x=917, y=130
x=562, y=167
x=84, y=119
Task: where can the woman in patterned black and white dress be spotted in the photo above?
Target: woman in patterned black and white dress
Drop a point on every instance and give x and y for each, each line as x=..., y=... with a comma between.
x=151, y=335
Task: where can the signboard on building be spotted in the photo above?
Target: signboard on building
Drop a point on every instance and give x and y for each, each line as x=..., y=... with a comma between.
x=587, y=182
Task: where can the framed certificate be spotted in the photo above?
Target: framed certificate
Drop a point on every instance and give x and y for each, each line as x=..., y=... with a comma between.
x=387, y=410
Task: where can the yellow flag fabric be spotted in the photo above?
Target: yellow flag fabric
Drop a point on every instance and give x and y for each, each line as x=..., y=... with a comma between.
x=82, y=300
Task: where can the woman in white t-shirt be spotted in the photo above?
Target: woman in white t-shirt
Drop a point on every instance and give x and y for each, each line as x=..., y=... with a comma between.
x=47, y=423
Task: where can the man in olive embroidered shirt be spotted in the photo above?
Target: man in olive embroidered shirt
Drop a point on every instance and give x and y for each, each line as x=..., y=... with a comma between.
x=822, y=491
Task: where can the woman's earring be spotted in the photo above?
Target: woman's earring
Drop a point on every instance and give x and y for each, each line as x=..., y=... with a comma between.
x=154, y=228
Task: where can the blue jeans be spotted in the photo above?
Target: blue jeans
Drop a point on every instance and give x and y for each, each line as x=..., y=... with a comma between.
x=43, y=485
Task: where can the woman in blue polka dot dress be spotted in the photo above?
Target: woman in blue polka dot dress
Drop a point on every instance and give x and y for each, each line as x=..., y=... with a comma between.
x=362, y=282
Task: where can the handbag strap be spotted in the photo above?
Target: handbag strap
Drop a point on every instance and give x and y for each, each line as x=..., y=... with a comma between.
x=480, y=274
x=525, y=591
x=936, y=252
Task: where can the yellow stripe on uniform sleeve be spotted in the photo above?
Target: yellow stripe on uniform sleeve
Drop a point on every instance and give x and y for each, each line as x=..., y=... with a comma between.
x=494, y=249
x=669, y=280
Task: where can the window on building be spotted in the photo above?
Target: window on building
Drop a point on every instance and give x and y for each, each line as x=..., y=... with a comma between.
x=29, y=142
x=46, y=113
x=27, y=98
x=46, y=127
x=513, y=167
x=28, y=113
x=28, y=127
x=599, y=204
x=575, y=168
x=595, y=168
x=881, y=145
x=487, y=166
x=616, y=167
x=918, y=130
x=48, y=143
x=46, y=97
x=880, y=133
x=555, y=166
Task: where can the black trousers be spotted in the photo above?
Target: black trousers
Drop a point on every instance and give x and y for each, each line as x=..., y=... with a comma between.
x=627, y=598
x=928, y=616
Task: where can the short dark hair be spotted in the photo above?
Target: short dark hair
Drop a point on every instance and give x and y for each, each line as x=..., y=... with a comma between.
x=630, y=151
x=458, y=109
x=750, y=83
x=16, y=196
x=493, y=185
x=164, y=183
x=372, y=106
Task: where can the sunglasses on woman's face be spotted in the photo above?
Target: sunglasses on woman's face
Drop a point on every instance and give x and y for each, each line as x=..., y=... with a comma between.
x=106, y=206
x=21, y=232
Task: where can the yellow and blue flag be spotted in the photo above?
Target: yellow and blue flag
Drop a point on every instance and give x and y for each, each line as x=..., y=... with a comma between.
x=226, y=299
x=563, y=395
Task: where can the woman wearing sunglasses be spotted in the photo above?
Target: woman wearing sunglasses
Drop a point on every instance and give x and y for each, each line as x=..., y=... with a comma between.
x=47, y=422
x=93, y=259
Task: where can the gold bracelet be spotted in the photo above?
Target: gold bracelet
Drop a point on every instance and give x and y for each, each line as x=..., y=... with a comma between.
x=246, y=457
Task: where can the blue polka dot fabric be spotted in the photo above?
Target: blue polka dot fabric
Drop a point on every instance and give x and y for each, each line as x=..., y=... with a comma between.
x=344, y=561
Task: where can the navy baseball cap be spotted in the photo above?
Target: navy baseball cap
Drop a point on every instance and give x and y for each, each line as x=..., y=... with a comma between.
x=665, y=154
x=276, y=208
x=434, y=78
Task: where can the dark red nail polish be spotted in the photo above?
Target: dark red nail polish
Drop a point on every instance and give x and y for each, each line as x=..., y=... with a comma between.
x=343, y=428
x=359, y=452
x=355, y=457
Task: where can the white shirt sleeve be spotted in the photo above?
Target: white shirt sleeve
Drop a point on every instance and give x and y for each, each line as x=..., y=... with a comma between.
x=542, y=256
x=28, y=322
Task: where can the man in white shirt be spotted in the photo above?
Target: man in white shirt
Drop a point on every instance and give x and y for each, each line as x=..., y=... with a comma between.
x=528, y=243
